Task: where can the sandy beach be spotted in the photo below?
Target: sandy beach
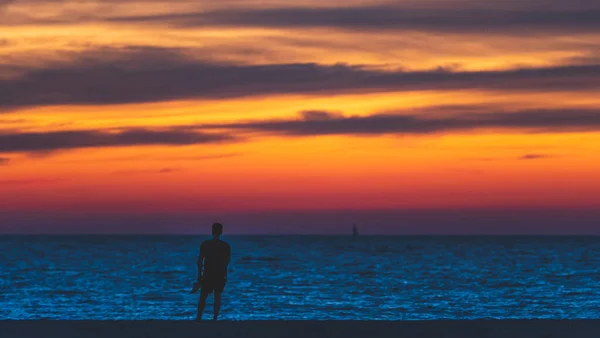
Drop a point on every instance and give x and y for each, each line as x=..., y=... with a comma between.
x=301, y=329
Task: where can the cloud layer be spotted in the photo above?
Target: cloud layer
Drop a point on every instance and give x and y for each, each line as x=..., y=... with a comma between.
x=153, y=75
x=380, y=124
x=456, y=20
x=315, y=123
x=506, y=17
x=64, y=140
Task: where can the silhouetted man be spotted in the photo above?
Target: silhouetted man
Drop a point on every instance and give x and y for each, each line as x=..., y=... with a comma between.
x=213, y=260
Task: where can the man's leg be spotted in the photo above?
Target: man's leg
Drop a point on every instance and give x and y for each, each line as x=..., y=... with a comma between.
x=201, y=304
x=217, y=304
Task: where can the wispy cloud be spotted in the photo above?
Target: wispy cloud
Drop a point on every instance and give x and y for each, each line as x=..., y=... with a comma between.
x=564, y=120
x=457, y=20
x=154, y=74
x=4, y=161
x=528, y=157
x=503, y=17
x=314, y=123
x=64, y=140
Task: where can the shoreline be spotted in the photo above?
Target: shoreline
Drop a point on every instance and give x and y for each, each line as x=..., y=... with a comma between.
x=303, y=329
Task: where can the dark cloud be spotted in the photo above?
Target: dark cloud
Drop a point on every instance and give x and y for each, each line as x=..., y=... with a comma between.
x=433, y=19
x=152, y=75
x=319, y=115
x=64, y=140
x=533, y=157
x=4, y=161
x=466, y=16
x=591, y=56
x=379, y=124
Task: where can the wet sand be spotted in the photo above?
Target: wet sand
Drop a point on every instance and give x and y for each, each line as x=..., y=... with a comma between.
x=301, y=329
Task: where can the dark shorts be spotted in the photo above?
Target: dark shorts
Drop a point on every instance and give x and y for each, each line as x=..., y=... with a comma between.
x=210, y=285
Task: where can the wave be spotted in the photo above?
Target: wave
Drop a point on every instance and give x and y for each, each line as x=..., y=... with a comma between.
x=509, y=285
x=367, y=273
x=67, y=292
x=260, y=259
x=382, y=249
x=161, y=273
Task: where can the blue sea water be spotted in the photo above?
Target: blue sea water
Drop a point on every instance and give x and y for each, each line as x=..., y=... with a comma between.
x=303, y=277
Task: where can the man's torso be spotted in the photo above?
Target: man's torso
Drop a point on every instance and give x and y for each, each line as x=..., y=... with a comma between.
x=216, y=255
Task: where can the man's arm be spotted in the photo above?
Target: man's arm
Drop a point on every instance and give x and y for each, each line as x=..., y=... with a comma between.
x=228, y=260
x=200, y=264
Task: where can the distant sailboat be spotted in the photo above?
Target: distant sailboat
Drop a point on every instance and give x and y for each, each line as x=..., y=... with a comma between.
x=354, y=231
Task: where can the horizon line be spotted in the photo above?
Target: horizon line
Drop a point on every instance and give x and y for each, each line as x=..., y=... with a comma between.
x=308, y=235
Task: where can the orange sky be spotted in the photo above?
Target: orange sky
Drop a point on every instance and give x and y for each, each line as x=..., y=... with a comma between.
x=250, y=106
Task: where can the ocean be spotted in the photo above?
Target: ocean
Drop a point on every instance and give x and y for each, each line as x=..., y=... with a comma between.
x=303, y=277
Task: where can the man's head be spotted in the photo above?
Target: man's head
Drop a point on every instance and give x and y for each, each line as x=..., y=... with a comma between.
x=217, y=229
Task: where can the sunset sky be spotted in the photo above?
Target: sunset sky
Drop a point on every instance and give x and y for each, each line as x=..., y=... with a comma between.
x=300, y=116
